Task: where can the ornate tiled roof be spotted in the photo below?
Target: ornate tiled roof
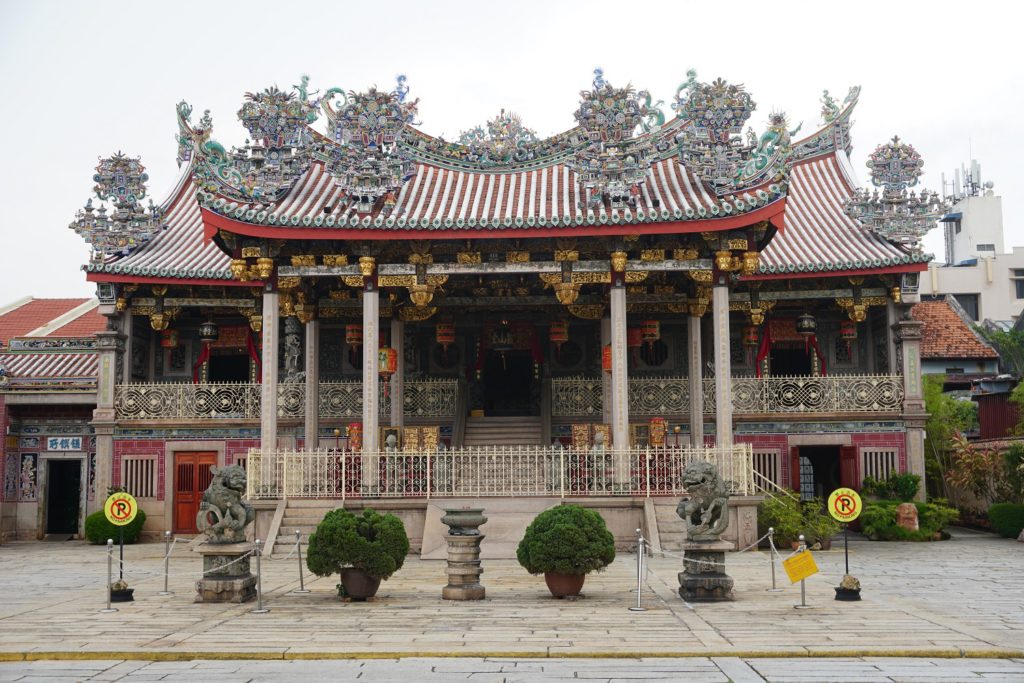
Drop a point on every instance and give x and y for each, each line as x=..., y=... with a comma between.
x=946, y=335
x=818, y=235
x=50, y=367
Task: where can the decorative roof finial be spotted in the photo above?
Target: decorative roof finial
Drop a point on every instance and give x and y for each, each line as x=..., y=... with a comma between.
x=897, y=215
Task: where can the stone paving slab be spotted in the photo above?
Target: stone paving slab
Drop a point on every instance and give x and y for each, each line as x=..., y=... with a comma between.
x=964, y=596
x=716, y=669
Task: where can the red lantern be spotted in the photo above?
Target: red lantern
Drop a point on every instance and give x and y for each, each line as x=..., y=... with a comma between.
x=606, y=358
x=387, y=358
x=634, y=337
x=445, y=334
x=847, y=330
x=559, y=332
x=354, y=334
x=169, y=339
x=650, y=331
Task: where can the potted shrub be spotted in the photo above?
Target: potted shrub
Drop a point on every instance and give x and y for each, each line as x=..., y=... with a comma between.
x=364, y=549
x=566, y=543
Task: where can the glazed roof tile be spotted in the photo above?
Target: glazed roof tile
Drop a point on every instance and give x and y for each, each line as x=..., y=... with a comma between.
x=946, y=335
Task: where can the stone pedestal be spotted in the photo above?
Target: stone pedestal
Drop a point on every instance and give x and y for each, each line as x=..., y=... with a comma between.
x=226, y=575
x=703, y=578
x=464, y=568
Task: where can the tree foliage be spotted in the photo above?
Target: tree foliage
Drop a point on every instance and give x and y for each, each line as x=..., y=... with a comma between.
x=947, y=417
x=375, y=543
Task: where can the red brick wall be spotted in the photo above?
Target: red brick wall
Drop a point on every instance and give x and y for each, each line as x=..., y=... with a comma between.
x=158, y=448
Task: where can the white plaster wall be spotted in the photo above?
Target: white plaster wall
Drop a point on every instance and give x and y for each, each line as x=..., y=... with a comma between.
x=991, y=279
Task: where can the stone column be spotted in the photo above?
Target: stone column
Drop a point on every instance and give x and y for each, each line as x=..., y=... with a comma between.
x=371, y=371
x=723, y=366
x=397, y=389
x=890, y=317
x=908, y=337
x=620, y=379
x=268, y=389
x=606, y=379
x=312, y=368
x=110, y=344
x=696, y=380
x=128, y=322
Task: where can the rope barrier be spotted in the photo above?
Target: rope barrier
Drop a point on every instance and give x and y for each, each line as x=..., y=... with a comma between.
x=707, y=563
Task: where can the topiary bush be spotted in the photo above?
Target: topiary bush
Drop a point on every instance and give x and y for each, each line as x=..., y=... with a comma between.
x=98, y=529
x=567, y=539
x=1007, y=519
x=878, y=521
x=375, y=543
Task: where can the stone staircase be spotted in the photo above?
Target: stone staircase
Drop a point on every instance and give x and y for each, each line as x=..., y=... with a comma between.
x=303, y=515
x=671, y=528
x=503, y=431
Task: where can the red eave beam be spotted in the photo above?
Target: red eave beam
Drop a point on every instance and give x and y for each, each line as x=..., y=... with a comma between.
x=213, y=222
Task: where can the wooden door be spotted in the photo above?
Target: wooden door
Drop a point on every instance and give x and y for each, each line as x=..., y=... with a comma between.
x=848, y=468
x=191, y=477
x=794, y=468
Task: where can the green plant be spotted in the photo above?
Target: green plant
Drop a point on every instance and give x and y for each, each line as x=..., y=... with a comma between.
x=782, y=512
x=901, y=486
x=567, y=539
x=817, y=523
x=98, y=529
x=375, y=543
x=1007, y=519
x=873, y=487
x=947, y=416
x=976, y=469
x=878, y=521
x=1013, y=466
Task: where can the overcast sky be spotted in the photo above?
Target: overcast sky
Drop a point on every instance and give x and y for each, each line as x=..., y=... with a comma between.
x=85, y=79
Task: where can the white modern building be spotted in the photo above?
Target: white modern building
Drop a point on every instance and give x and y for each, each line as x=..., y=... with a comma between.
x=986, y=281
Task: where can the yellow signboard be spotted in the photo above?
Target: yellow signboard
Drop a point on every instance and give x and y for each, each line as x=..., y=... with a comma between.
x=120, y=508
x=845, y=505
x=799, y=566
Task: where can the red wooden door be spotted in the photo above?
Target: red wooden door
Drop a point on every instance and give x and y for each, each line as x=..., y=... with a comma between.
x=794, y=468
x=191, y=477
x=848, y=468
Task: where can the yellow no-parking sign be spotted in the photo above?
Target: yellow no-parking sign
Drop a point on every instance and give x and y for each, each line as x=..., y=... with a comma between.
x=120, y=508
x=845, y=505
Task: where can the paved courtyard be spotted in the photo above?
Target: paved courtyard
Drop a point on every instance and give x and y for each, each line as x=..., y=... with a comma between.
x=960, y=598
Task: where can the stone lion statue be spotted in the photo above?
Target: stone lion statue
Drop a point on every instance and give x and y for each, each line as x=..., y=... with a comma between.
x=223, y=515
x=705, y=507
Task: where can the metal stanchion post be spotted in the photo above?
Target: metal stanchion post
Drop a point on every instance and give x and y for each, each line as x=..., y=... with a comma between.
x=803, y=587
x=110, y=575
x=771, y=559
x=260, y=609
x=639, y=573
x=167, y=564
x=298, y=551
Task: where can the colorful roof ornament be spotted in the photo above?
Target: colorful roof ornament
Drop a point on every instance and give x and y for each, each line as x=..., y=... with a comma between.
x=505, y=140
x=121, y=180
x=368, y=162
x=896, y=215
x=614, y=163
x=712, y=146
x=212, y=167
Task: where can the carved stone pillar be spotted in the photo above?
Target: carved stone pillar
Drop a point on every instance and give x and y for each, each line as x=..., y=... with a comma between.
x=606, y=379
x=398, y=379
x=723, y=365
x=907, y=333
x=268, y=389
x=312, y=368
x=620, y=378
x=110, y=345
x=371, y=370
x=696, y=380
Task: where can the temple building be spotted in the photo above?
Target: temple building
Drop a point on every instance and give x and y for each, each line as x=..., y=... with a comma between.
x=361, y=313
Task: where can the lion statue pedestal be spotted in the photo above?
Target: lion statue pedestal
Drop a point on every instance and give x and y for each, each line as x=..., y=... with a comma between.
x=223, y=517
x=705, y=509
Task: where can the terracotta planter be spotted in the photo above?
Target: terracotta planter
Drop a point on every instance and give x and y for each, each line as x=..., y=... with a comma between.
x=564, y=585
x=358, y=584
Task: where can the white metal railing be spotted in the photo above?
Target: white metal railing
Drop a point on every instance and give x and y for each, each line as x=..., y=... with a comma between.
x=659, y=396
x=490, y=472
x=181, y=400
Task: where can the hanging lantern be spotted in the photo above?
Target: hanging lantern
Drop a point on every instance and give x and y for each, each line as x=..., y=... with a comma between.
x=387, y=365
x=806, y=325
x=606, y=358
x=169, y=339
x=847, y=330
x=650, y=331
x=750, y=335
x=445, y=334
x=559, y=332
x=634, y=337
x=209, y=332
x=354, y=334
